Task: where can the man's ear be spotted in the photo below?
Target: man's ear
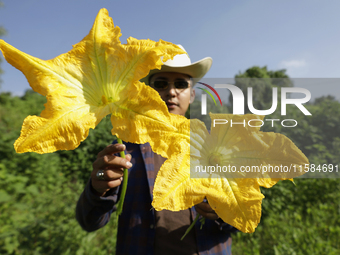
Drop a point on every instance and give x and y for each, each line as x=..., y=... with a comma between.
x=192, y=96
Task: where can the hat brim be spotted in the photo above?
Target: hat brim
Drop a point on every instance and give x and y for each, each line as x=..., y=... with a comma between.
x=196, y=70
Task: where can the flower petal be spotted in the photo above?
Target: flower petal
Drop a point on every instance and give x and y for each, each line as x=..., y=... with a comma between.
x=173, y=189
x=143, y=123
x=140, y=115
x=237, y=200
x=65, y=131
x=97, y=77
x=261, y=151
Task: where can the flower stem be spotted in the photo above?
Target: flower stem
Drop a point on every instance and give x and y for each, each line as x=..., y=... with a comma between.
x=124, y=186
x=191, y=226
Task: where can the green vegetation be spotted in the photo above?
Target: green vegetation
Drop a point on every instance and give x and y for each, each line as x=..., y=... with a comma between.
x=38, y=193
x=301, y=218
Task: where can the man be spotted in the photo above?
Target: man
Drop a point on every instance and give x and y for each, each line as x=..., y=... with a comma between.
x=142, y=230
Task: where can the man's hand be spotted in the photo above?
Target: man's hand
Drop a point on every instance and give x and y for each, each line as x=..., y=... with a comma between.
x=206, y=211
x=112, y=166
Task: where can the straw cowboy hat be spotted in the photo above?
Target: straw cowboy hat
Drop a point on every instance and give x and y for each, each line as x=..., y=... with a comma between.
x=182, y=64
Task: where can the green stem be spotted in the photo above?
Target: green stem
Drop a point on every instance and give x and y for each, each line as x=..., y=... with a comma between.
x=124, y=186
x=191, y=226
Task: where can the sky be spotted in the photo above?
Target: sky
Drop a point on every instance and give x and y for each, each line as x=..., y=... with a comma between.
x=301, y=36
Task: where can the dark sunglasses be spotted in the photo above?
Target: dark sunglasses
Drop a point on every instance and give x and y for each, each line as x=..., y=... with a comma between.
x=161, y=85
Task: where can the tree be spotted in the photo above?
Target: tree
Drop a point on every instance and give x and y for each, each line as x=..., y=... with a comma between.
x=262, y=81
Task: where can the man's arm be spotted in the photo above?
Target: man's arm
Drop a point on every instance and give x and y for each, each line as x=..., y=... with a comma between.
x=93, y=211
x=97, y=201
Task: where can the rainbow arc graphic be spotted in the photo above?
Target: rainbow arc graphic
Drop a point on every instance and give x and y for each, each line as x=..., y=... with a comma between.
x=204, y=97
x=208, y=92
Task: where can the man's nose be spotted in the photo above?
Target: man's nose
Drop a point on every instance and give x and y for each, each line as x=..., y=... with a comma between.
x=172, y=89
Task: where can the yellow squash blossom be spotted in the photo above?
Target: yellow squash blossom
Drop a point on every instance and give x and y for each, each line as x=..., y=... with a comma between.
x=236, y=198
x=99, y=76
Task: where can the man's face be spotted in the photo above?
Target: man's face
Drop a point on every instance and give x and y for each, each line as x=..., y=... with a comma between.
x=174, y=89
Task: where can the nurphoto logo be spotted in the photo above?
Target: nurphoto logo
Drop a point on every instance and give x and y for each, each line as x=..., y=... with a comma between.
x=238, y=104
